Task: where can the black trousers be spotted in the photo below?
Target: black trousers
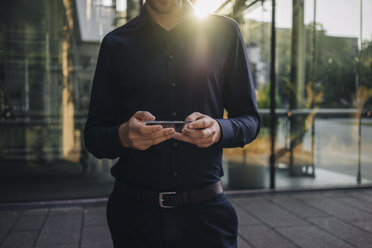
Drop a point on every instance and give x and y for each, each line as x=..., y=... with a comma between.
x=135, y=224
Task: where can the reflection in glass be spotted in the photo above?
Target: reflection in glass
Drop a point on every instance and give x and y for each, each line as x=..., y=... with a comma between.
x=247, y=167
x=320, y=89
x=48, y=53
x=323, y=91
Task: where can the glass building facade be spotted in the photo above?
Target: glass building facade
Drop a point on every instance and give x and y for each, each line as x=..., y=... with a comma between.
x=312, y=65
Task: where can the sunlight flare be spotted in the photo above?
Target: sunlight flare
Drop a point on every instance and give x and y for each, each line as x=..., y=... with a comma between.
x=205, y=7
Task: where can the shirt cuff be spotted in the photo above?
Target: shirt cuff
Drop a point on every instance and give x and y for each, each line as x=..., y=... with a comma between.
x=114, y=136
x=227, y=132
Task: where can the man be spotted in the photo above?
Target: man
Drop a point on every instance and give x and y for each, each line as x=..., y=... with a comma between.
x=167, y=64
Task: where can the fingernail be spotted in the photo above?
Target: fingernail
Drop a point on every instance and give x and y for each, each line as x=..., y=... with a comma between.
x=175, y=135
x=189, y=126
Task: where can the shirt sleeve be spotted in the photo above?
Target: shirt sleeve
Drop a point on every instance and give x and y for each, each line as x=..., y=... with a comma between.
x=243, y=123
x=101, y=131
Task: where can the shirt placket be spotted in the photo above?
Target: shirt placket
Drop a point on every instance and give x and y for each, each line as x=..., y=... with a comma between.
x=172, y=84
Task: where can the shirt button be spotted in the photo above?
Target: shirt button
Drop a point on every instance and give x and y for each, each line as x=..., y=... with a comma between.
x=175, y=144
x=171, y=57
x=174, y=84
x=175, y=173
x=174, y=114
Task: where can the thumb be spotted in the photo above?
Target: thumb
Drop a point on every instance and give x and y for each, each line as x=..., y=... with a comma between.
x=194, y=116
x=144, y=116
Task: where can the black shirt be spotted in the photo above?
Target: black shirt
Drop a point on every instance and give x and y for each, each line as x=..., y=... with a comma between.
x=201, y=65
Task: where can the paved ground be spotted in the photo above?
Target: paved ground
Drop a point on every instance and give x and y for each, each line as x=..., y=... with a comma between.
x=307, y=219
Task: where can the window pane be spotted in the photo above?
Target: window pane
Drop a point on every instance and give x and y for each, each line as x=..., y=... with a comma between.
x=248, y=167
x=323, y=87
x=48, y=53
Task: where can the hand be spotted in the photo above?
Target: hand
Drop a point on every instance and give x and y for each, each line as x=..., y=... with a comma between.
x=135, y=133
x=203, y=131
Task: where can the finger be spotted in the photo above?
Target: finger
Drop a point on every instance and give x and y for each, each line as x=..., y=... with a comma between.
x=144, y=116
x=185, y=138
x=208, y=141
x=198, y=142
x=201, y=123
x=142, y=148
x=158, y=134
x=143, y=129
x=201, y=144
x=198, y=134
x=193, y=116
x=162, y=138
x=157, y=140
x=204, y=145
x=200, y=117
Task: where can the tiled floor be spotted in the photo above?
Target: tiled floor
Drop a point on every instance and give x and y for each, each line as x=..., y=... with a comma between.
x=307, y=219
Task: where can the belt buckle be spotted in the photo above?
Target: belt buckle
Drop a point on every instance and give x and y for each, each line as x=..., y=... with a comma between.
x=161, y=200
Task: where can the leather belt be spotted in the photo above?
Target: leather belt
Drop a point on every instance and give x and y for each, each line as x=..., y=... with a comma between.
x=170, y=199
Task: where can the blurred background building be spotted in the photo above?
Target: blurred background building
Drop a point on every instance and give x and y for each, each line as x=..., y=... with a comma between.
x=312, y=65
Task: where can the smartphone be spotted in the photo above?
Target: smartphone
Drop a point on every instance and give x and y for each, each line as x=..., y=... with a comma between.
x=177, y=125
